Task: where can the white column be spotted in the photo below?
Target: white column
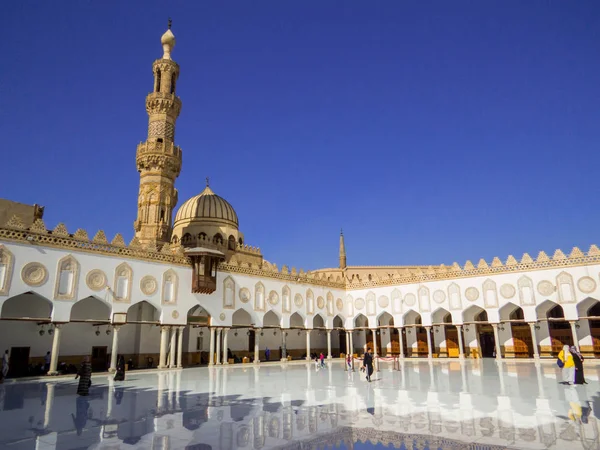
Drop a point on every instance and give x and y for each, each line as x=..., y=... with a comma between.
x=351, y=334
x=257, y=346
x=461, y=348
x=164, y=339
x=180, y=347
x=172, y=350
x=49, y=403
x=211, y=354
x=497, y=341
x=283, y=345
x=328, y=344
x=401, y=342
x=307, y=344
x=348, y=349
x=429, y=349
x=374, y=343
x=115, y=349
x=225, y=335
x=55, y=350
x=536, y=353
x=218, y=345
x=574, y=331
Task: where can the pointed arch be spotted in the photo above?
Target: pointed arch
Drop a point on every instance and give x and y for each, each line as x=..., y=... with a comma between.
x=440, y=315
x=286, y=297
x=228, y=293
x=67, y=278
x=198, y=316
x=584, y=306
x=170, y=282
x=361, y=321
x=412, y=317
x=384, y=319
x=526, y=291
x=543, y=308
x=506, y=310
x=27, y=305
x=470, y=314
x=349, y=305
x=296, y=320
x=318, y=321
x=7, y=261
x=259, y=297
x=123, y=280
x=90, y=309
x=396, y=297
x=143, y=312
x=338, y=321
x=454, y=297
x=271, y=319
x=241, y=317
x=566, y=288
x=490, y=294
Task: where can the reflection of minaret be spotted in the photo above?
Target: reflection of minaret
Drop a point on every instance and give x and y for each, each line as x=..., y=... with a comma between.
x=159, y=159
x=342, y=251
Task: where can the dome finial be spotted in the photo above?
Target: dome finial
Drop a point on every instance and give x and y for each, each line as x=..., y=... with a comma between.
x=170, y=23
x=168, y=41
x=207, y=182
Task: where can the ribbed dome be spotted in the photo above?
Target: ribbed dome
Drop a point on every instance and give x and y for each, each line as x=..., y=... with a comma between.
x=207, y=205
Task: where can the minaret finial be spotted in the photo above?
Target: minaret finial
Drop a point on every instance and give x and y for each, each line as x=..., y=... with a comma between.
x=170, y=23
x=341, y=231
x=207, y=182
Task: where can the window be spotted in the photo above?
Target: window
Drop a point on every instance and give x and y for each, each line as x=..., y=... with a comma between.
x=157, y=87
x=65, y=282
x=122, y=287
x=173, y=83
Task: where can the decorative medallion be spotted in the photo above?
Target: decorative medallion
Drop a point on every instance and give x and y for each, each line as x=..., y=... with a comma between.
x=586, y=284
x=222, y=316
x=298, y=301
x=339, y=304
x=410, y=299
x=244, y=295
x=383, y=301
x=320, y=302
x=439, y=296
x=34, y=274
x=273, y=298
x=96, y=280
x=507, y=291
x=148, y=285
x=546, y=287
x=472, y=294
x=175, y=314
x=359, y=303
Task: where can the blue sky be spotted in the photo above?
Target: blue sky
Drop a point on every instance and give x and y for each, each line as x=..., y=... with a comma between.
x=432, y=132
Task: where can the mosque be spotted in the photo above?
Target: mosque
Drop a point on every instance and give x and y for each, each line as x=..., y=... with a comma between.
x=189, y=290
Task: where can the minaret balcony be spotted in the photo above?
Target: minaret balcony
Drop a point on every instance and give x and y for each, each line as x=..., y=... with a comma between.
x=160, y=148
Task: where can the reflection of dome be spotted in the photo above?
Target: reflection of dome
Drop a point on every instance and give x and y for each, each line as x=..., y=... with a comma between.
x=207, y=207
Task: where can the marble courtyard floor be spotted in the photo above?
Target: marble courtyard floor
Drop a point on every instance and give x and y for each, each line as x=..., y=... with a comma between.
x=476, y=404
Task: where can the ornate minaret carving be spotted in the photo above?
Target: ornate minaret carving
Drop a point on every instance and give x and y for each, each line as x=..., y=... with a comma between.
x=342, y=251
x=159, y=159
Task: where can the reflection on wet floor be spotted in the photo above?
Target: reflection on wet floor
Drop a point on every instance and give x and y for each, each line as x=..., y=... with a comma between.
x=425, y=405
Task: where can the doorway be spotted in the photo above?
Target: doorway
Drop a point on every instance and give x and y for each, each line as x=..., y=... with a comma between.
x=342, y=338
x=251, y=340
x=99, y=359
x=18, y=363
x=486, y=341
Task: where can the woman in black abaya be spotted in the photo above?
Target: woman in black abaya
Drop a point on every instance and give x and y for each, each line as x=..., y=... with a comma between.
x=578, y=360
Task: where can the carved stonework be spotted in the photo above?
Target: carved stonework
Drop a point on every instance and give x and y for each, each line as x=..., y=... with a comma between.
x=439, y=296
x=454, y=297
x=123, y=280
x=96, y=280
x=339, y=304
x=148, y=285
x=34, y=274
x=472, y=294
x=359, y=303
x=298, y=301
x=507, y=290
x=222, y=317
x=228, y=293
x=6, y=268
x=410, y=299
x=170, y=287
x=273, y=298
x=67, y=279
x=320, y=302
x=526, y=291
x=586, y=285
x=175, y=314
x=383, y=301
x=546, y=288
x=244, y=295
x=424, y=302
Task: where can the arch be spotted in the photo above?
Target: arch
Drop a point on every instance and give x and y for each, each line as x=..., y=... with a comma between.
x=361, y=321
x=454, y=297
x=396, y=298
x=231, y=242
x=310, y=302
x=197, y=315
x=241, y=317
x=90, y=308
x=217, y=239
x=411, y=317
x=543, y=308
x=440, y=316
x=370, y=299
x=259, y=297
x=67, y=278
x=271, y=319
x=228, y=293
x=296, y=321
x=385, y=319
x=584, y=306
x=329, y=304
x=490, y=294
x=170, y=282
x=286, y=299
x=123, y=279
x=349, y=305
x=27, y=305
x=7, y=260
x=143, y=312
x=517, y=314
x=318, y=321
x=471, y=312
x=424, y=299
x=506, y=310
x=338, y=322
x=565, y=287
x=186, y=239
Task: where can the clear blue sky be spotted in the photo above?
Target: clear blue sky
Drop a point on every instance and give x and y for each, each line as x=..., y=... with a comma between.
x=432, y=132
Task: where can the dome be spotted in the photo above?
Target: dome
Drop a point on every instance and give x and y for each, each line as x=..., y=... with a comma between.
x=207, y=207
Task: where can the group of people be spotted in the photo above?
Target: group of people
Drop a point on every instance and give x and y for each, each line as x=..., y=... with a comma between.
x=571, y=362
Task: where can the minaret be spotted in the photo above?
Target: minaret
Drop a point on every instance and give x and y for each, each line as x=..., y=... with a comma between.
x=159, y=159
x=342, y=251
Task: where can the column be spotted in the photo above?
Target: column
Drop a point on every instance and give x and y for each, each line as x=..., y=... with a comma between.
x=49, y=402
x=218, y=345
x=257, y=346
x=283, y=345
x=401, y=342
x=211, y=351
x=351, y=334
x=497, y=341
x=115, y=349
x=307, y=344
x=55, y=350
x=180, y=347
x=574, y=331
x=328, y=344
x=164, y=339
x=461, y=348
x=225, y=335
x=536, y=352
x=172, y=350
x=374, y=343
x=429, y=349
x=348, y=349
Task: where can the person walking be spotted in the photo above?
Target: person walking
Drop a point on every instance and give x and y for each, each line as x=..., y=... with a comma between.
x=322, y=359
x=578, y=361
x=349, y=361
x=267, y=354
x=565, y=361
x=5, y=360
x=47, y=362
x=120, y=373
x=85, y=377
x=368, y=363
